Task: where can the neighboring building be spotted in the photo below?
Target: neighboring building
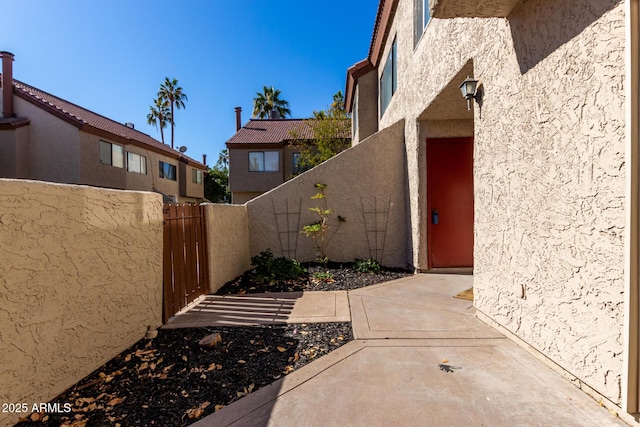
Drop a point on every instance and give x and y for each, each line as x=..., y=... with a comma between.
x=43, y=137
x=535, y=187
x=261, y=156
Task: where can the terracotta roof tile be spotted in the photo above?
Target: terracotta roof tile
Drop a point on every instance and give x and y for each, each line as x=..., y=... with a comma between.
x=86, y=120
x=276, y=131
x=270, y=131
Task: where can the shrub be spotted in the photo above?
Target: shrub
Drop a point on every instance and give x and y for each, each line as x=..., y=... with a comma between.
x=368, y=266
x=271, y=269
x=318, y=230
x=325, y=276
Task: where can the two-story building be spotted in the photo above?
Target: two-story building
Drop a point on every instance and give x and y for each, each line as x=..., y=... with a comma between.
x=44, y=137
x=532, y=180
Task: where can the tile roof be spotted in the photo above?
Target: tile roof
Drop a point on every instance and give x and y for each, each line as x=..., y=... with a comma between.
x=273, y=131
x=91, y=122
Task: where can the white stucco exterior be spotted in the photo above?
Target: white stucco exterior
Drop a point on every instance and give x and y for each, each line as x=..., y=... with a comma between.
x=550, y=185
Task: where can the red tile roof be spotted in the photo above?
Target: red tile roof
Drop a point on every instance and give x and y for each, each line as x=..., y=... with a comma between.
x=94, y=123
x=275, y=132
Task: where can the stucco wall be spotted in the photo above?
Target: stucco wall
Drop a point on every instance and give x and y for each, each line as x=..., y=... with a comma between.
x=80, y=281
x=550, y=216
x=366, y=106
x=188, y=188
x=243, y=181
x=549, y=167
x=228, y=243
x=276, y=218
x=59, y=162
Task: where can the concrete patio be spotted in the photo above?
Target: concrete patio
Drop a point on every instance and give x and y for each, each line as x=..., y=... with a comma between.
x=420, y=358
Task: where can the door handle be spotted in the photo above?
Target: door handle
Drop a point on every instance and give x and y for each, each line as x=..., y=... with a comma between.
x=434, y=216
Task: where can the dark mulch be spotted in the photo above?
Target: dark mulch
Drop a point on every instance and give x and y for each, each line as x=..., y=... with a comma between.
x=333, y=277
x=172, y=381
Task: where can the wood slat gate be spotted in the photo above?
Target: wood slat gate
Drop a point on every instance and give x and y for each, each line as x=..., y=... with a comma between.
x=185, y=267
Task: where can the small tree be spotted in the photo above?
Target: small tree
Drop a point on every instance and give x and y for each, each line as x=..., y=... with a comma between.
x=330, y=133
x=216, y=180
x=318, y=230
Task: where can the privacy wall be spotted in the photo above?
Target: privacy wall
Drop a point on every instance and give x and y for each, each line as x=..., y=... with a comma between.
x=364, y=184
x=80, y=281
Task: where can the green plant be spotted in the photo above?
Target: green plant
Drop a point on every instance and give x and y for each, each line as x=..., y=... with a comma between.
x=274, y=269
x=318, y=230
x=325, y=276
x=368, y=266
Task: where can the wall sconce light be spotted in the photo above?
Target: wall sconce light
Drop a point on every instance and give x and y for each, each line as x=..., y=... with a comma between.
x=469, y=89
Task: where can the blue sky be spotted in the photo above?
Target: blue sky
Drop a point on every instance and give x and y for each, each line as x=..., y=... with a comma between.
x=111, y=56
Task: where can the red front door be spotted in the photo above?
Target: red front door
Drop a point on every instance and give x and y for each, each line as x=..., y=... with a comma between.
x=450, y=202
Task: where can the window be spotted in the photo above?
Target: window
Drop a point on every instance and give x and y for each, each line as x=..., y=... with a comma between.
x=111, y=154
x=296, y=163
x=196, y=176
x=264, y=161
x=136, y=163
x=167, y=171
x=421, y=18
x=354, y=114
x=388, y=80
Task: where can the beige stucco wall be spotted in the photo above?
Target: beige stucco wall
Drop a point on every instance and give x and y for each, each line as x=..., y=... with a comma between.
x=80, y=281
x=92, y=172
x=59, y=162
x=366, y=107
x=550, y=216
x=188, y=188
x=228, y=243
x=367, y=177
x=549, y=168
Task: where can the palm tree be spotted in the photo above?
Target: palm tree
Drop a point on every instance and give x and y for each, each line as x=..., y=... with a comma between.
x=170, y=91
x=159, y=115
x=269, y=100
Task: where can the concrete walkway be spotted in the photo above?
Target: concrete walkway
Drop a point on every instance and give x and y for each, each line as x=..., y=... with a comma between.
x=259, y=309
x=420, y=358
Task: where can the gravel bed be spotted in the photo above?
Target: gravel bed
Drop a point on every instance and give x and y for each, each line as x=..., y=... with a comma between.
x=339, y=277
x=172, y=381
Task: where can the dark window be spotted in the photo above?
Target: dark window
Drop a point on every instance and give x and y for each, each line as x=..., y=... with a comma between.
x=167, y=171
x=388, y=80
x=421, y=18
x=264, y=161
x=196, y=176
x=136, y=163
x=111, y=154
x=296, y=163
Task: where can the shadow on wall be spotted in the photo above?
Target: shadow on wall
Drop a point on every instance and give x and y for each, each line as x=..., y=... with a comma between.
x=539, y=27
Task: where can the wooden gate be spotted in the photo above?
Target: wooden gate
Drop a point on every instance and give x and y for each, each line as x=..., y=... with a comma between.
x=185, y=268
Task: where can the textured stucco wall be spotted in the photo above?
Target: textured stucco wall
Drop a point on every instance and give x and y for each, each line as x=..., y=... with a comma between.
x=59, y=162
x=549, y=167
x=276, y=218
x=550, y=217
x=243, y=181
x=228, y=243
x=188, y=188
x=80, y=281
x=366, y=106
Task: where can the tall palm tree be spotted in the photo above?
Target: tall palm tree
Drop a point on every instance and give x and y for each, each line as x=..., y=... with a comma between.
x=170, y=91
x=269, y=100
x=159, y=115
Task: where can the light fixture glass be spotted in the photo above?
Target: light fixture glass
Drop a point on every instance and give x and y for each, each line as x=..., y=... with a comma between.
x=468, y=89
